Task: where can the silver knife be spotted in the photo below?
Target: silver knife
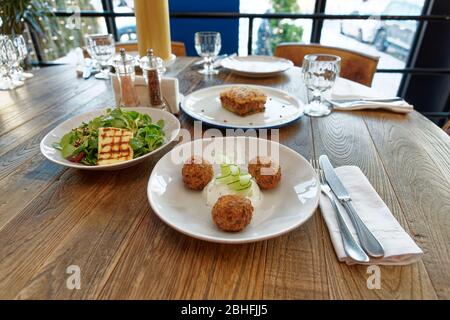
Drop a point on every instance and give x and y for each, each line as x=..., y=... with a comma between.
x=368, y=241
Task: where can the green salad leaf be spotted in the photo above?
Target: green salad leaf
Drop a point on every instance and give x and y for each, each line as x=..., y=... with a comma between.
x=81, y=144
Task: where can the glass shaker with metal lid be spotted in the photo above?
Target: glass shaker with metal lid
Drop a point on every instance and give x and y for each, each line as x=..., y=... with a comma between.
x=124, y=66
x=153, y=67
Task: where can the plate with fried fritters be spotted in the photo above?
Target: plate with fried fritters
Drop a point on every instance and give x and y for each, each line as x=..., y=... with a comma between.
x=184, y=198
x=243, y=106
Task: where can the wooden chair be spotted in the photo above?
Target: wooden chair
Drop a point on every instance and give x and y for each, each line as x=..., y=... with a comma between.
x=446, y=127
x=355, y=66
x=178, y=48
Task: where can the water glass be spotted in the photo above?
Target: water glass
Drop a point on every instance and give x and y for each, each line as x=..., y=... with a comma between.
x=101, y=47
x=9, y=59
x=319, y=75
x=20, y=44
x=208, y=46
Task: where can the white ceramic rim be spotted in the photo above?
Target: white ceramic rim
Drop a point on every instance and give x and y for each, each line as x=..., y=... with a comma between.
x=227, y=240
x=231, y=126
x=289, y=64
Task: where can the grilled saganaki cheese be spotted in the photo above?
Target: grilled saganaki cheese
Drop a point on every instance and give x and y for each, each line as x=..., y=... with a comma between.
x=114, y=145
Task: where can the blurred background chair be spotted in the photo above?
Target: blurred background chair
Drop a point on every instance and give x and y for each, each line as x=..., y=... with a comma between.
x=178, y=48
x=355, y=66
x=446, y=127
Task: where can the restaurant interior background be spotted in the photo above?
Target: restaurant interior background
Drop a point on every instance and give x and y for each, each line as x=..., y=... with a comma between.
x=414, y=52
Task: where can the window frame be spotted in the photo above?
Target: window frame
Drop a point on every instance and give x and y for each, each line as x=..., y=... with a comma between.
x=317, y=17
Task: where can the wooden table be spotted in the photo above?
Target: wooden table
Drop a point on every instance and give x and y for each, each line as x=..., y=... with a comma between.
x=52, y=217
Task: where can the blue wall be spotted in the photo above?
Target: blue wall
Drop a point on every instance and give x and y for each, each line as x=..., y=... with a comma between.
x=184, y=29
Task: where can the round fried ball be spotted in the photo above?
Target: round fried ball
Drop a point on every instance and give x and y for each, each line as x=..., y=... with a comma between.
x=265, y=171
x=232, y=212
x=197, y=173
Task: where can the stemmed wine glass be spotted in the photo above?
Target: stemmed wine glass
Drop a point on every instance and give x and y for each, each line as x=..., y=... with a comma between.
x=319, y=74
x=5, y=81
x=101, y=48
x=208, y=46
x=9, y=58
x=21, y=46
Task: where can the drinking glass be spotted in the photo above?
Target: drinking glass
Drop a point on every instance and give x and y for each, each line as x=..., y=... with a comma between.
x=101, y=48
x=20, y=44
x=319, y=74
x=9, y=58
x=208, y=46
x=5, y=79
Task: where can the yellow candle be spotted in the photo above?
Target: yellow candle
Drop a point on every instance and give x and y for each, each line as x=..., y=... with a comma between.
x=153, y=29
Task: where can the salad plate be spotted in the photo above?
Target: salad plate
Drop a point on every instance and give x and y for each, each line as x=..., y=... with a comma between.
x=281, y=109
x=52, y=144
x=257, y=66
x=281, y=209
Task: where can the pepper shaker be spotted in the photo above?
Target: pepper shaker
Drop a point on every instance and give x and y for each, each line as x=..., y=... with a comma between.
x=153, y=67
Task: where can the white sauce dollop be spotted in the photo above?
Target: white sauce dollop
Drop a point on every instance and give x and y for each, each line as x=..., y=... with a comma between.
x=213, y=191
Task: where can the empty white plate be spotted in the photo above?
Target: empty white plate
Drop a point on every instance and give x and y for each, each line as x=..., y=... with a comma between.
x=257, y=66
x=282, y=209
x=281, y=109
x=171, y=130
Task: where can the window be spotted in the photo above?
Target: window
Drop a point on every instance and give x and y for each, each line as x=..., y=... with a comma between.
x=126, y=26
x=87, y=5
x=391, y=40
x=267, y=33
x=63, y=34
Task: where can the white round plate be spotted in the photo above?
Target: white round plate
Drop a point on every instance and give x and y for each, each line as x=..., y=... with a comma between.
x=282, y=209
x=257, y=66
x=171, y=130
x=281, y=109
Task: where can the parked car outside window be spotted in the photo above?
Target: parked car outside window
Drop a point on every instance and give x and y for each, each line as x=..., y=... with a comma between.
x=395, y=34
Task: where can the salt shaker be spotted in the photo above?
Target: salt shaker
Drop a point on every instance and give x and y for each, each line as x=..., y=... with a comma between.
x=124, y=65
x=153, y=67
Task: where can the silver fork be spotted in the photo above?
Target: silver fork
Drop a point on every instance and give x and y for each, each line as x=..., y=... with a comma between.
x=351, y=246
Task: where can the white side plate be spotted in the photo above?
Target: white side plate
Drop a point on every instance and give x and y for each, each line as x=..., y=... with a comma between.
x=281, y=109
x=257, y=66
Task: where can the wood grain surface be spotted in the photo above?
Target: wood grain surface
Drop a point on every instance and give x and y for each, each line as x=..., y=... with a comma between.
x=52, y=217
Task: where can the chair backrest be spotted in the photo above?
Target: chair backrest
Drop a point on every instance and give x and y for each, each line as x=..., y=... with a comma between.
x=355, y=66
x=178, y=48
x=446, y=127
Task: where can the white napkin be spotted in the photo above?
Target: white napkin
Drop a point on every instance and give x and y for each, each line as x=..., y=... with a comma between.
x=399, y=248
x=345, y=90
x=169, y=89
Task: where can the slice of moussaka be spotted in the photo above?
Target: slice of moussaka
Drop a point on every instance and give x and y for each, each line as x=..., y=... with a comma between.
x=114, y=145
x=243, y=100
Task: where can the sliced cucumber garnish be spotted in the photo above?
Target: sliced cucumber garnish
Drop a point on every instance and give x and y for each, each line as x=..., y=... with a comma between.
x=244, y=187
x=232, y=181
x=237, y=186
x=231, y=175
x=235, y=171
x=244, y=179
x=222, y=177
x=225, y=169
